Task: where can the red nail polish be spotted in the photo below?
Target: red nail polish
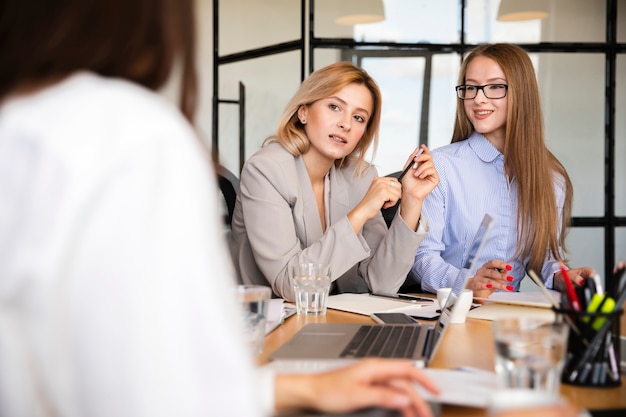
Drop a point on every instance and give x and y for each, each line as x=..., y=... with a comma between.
x=509, y=288
x=489, y=285
x=510, y=278
x=509, y=267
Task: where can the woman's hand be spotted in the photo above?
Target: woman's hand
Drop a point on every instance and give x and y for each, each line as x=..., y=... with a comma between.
x=385, y=383
x=419, y=182
x=383, y=192
x=576, y=275
x=492, y=276
x=416, y=185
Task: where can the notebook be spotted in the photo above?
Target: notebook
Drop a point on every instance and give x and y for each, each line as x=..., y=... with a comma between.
x=319, y=346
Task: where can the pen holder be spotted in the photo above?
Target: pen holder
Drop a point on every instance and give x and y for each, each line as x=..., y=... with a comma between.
x=593, y=348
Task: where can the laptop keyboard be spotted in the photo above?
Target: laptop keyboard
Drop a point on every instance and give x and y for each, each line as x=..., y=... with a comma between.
x=388, y=341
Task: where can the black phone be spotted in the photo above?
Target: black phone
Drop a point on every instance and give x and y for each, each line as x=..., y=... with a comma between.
x=393, y=318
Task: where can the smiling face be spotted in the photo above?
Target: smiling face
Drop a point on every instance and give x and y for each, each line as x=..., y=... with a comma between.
x=335, y=125
x=488, y=116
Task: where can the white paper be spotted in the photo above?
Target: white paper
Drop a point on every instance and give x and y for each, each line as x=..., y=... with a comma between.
x=470, y=388
x=277, y=312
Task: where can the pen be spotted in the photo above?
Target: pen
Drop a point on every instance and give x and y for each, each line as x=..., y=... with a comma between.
x=552, y=301
x=404, y=297
x=571, y=294
x=414, y=165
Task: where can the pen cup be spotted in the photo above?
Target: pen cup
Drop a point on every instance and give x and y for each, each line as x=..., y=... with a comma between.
x=593, y=348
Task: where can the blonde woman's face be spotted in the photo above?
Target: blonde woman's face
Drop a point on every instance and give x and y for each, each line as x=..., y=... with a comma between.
x=336, y=124
x=487, y=115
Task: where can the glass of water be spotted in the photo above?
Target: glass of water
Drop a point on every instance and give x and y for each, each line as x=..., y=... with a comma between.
x=311, y=284
x=530, y=353
x=254, y=300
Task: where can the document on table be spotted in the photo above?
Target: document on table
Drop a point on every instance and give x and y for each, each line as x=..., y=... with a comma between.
x=367, y=304
x=277, y=313
x=467, y=387
x=524, y=298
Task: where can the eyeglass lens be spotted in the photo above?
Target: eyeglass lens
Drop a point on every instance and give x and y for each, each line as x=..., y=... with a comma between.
x=467, y=92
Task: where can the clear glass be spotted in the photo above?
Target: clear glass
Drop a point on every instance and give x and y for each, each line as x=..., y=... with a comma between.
x=241, y=22
x=311, y=285
x=620, y=136
x=269, y=84
x=563, y=23
x=530, y=353
x=574, y=122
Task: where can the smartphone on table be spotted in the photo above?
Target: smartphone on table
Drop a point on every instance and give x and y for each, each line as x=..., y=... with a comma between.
x=393, y=318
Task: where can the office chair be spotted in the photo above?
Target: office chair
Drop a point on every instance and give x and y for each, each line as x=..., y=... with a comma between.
x=409, y=286
x=229, y=186
x=390, y=212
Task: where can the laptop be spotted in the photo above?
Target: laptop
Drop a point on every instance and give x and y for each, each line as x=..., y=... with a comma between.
x=320, y=346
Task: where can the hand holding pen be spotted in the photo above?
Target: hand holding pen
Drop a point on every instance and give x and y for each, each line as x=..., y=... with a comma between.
x=419, y=176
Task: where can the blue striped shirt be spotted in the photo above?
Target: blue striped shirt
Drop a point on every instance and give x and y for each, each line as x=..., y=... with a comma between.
x=472, y=182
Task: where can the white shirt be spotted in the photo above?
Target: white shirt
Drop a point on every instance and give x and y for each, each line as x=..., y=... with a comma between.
x=114, y=280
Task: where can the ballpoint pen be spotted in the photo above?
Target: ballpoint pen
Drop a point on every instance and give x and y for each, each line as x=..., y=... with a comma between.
x=405, y=297
x=413, y=165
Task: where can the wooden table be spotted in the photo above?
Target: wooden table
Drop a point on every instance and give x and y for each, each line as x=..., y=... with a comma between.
x=469, y=344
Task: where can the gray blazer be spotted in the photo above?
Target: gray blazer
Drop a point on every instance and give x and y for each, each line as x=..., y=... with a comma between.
x=276, y=225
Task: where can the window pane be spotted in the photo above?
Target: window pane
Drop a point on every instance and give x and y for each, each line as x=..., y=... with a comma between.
x=621, y=21
x=574, y=120
x=620, y=244
x=620, y=137
x=251, y=24
x=410, y=21
x=563, y=23
x=269, y=82
x=401, y=84
x=586, y=248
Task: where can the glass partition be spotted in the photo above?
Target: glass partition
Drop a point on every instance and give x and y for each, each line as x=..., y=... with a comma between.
x=269, y=84
x=563, y=22
x=251, y=24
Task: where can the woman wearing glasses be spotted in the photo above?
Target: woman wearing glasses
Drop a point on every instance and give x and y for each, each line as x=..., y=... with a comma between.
x=498, y=164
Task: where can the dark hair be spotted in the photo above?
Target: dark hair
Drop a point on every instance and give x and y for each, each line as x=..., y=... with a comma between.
x=138, y=40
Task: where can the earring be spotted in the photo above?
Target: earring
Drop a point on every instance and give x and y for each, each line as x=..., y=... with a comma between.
x=303, y=121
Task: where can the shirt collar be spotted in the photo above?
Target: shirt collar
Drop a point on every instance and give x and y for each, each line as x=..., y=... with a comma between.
x=483, y=148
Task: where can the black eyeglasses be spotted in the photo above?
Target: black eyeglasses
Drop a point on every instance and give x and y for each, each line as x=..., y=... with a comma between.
x=468, y=92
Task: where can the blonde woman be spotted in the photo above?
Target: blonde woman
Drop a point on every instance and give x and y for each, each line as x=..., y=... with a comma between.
x=309, y=195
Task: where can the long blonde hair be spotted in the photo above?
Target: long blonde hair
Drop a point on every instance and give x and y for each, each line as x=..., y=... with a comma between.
x=526, y=156
x=321, y=84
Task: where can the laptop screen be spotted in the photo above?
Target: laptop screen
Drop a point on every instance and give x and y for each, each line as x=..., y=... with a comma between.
x=465, y=273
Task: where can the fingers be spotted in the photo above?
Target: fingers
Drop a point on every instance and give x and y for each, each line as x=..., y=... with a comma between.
x=389, y=384
x=492, y=276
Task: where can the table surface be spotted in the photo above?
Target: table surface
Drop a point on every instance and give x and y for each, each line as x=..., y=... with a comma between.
x=478, y=351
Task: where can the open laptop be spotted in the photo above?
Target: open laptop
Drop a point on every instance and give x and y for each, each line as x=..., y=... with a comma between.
x=319, y=346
